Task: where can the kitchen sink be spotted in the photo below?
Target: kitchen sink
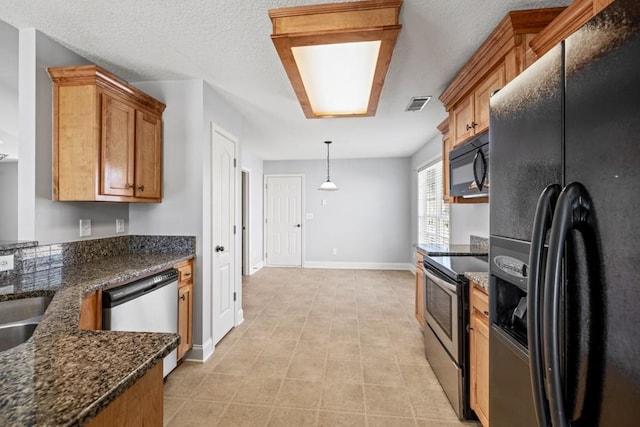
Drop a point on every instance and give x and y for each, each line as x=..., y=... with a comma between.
x=19, y=318
x=21, y=310
x=15, y=334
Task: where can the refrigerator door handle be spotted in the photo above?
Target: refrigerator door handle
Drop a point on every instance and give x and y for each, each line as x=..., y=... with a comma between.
x=572, y=210
x=541, y=224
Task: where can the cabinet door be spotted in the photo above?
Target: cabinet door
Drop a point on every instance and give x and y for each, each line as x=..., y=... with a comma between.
x=420, y=296
x=462, y=115
x=481, y=96
x=482, y=369
x=117, y=147
x=148, y=151
x=185, y=314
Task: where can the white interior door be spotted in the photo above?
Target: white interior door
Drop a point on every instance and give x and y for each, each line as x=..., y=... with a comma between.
x=284, y=220
x=223, y=184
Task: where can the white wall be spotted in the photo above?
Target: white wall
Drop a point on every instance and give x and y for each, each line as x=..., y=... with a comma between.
x=465, y=219
x=40, y=218
x=8, y=200
x=192, y=105
x=367, y=221
x=254, y=164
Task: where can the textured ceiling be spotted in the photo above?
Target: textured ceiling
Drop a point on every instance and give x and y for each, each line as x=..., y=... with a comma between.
x=227, y=43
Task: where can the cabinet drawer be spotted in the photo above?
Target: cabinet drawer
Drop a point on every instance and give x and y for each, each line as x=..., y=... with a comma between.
x=419, y=259
x=185, y=272
x=479, y=301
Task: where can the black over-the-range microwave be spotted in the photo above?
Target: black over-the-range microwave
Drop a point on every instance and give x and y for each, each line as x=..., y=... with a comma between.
x=469, y=168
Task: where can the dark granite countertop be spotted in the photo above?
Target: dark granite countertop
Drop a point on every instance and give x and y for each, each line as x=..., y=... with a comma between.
x=7, y=245
x=481, y=278
x=63, y=375
x=452, y=249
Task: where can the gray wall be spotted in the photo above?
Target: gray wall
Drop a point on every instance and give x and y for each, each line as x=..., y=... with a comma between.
x=465, y=219
x=8, y=89
x=367, y=220
x=8, y=200
x=41, y=218
x=192, y=105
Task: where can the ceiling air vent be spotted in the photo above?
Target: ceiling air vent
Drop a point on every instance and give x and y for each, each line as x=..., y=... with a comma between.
x=417, y=103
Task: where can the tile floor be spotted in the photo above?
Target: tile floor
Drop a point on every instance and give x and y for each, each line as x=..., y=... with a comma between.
x=317, y=348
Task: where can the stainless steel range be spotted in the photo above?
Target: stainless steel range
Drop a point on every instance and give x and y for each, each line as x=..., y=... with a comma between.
x=446, y=336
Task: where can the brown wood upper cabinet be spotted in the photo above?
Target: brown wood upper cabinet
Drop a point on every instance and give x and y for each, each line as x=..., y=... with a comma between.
x=107, y=138
x=502, y=56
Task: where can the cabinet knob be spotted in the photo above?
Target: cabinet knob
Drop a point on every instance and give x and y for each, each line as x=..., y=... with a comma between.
x=468, y=127
x=474, y=124
x=183, y=297
x=129, y=185
x=486, y=313
x=141, y=188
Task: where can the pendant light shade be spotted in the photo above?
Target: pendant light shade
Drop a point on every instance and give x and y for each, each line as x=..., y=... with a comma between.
x=328, y=185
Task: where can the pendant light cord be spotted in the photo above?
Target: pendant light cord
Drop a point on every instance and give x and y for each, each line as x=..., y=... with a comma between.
x=328, y=176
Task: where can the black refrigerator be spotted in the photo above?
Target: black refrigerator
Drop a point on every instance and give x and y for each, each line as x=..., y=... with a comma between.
x=564, y=136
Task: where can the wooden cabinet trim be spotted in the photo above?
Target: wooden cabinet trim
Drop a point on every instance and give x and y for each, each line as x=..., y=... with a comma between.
x=495, y=47
x=577, y=13
x=94, y=75
x=91, y=311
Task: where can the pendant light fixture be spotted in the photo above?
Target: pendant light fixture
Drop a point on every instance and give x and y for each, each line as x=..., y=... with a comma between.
x=328, y=185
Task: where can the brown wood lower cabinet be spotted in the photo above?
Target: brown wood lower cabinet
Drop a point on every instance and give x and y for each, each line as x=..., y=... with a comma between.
x=91, y=311
x=479, y=352
x=419, y=290
x=185, y=307
x=140, y=405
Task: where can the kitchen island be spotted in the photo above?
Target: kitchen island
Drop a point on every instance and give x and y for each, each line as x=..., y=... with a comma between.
x=66, y=376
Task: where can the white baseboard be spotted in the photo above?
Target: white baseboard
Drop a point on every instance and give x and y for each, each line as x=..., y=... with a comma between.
x=359, y=265
x=412, y=268
x=240, y=316
x=256, y=268
x=200, y=353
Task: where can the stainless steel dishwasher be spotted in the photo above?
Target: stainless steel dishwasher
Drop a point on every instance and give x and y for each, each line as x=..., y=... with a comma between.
x=146, y=305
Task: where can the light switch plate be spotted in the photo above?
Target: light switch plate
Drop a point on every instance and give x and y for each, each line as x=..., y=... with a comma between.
x=6, y=262
x=85, y=227
x=119, y=225
x=308, y=216
x=323, y=202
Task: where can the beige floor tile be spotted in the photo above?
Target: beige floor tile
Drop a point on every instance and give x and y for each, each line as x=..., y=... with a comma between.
x=270, y=366
x=311, y=349
x=197, y=413
x=287, y=332
x=411, y=354
x=258, y=390
x=382, y=373
x=279, y=347
x=289, y=417
x=344, y=351
x=421, y=422
x=344, y=335
x=315, y=334
x=343, y=397
x=241, y=415
x=306, y=369
x=343, y=371
x=378, y=353
x=378, y=421
x=432, y=404
x=248, y=345
x=217, y=387
x=419, y=375
x=181, y=386
x=340, y=419
x=299, y=394
x=235, y=364
x=170, y=408
x=386, y=400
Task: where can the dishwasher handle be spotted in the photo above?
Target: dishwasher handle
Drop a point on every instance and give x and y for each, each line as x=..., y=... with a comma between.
x=121, y=294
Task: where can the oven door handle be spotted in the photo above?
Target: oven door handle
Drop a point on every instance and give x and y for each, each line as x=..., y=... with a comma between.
x=449, y=287
x=541, y=224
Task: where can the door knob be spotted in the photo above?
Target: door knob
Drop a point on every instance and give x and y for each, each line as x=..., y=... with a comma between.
x=298, y=225
x=219, y=248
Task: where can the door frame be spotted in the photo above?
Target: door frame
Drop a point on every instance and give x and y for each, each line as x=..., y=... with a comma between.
x=302, y=214
x=245, y=220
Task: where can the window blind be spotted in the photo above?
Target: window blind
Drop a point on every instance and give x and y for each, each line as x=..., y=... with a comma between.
x=433, y=213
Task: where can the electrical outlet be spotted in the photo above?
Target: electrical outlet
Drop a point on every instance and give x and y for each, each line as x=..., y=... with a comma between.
x=323, y=202
x=85, y=227
x=119, y=225
x=334, y=251
x=6, y=262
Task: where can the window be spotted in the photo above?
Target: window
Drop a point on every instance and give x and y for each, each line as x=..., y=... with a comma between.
x=433, y=213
